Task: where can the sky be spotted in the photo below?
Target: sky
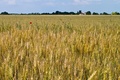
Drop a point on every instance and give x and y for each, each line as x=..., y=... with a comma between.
x=41, y=6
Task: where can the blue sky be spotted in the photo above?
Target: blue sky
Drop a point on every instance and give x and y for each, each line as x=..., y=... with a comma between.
x=28, y=6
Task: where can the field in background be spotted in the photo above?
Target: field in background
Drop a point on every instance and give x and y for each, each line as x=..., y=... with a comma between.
x=59, y=47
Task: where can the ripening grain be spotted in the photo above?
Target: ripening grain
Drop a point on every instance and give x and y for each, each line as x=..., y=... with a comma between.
x=59, y=47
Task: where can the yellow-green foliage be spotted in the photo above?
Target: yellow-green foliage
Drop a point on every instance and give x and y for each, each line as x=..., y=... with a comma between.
x=59, y=48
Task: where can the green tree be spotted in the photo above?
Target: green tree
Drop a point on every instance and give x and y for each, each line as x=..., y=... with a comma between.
x=88, y=13
x=79, y=12
x=115, y=13
x=94, y=13
x=4, y=13
x=104, y=13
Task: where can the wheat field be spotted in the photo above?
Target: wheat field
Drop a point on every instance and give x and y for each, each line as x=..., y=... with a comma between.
x=59, y=47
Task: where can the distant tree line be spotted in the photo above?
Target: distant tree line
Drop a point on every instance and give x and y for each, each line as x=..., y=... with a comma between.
x=4, y=13
x=63, y=13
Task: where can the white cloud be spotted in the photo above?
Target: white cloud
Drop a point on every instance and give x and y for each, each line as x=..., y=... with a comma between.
x=85, y=1
x=49, y=3
x=117, y=1
x=13, y=2
x=10, y=2
x=81, y=2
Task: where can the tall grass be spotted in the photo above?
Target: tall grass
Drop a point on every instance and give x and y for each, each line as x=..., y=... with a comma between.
x=60, y=48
